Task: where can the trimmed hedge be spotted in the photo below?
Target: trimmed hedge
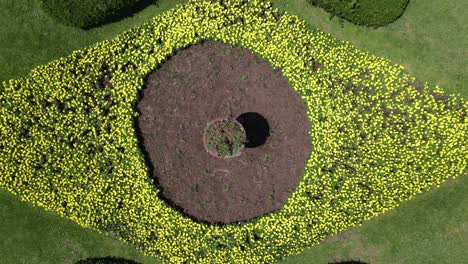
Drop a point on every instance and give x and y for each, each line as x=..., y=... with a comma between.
x=68, y=143
x=106, y=260
x=371, y=13
x=91, y=13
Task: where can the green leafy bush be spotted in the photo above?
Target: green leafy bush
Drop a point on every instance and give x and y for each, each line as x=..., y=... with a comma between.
x=372, y=13
x=68, y=144
x=90, y=13
x=106, y=260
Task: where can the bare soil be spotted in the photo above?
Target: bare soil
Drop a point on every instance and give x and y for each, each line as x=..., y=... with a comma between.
x=211, y=80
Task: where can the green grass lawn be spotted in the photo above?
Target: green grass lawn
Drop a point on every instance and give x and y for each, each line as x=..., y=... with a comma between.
x=427, y=40
x=431, y=228
x=29, y=37
x=34, y=236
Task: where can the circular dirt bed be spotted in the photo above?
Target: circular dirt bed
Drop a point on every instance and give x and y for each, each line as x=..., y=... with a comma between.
x=213, y=80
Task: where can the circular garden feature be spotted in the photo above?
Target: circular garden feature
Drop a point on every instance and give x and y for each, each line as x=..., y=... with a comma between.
x=226, y=136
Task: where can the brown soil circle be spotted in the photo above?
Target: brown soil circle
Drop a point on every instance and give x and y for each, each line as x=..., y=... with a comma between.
x=209, y=80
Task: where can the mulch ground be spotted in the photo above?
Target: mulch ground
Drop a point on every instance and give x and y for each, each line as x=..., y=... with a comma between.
x=211, y=80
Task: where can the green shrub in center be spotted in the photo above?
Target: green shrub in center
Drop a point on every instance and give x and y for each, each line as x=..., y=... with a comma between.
x=224, y=138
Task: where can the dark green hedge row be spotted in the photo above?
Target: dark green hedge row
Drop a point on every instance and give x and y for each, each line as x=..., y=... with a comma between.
x=371, y=13
x=106, y=260
x=91, y=13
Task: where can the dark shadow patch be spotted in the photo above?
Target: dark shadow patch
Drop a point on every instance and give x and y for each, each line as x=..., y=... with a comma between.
x=256, y=127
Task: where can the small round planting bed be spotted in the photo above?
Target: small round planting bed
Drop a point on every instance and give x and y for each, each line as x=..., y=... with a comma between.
x=224, y=138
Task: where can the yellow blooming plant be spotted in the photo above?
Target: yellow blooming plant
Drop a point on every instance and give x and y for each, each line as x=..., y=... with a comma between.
x=67, y=141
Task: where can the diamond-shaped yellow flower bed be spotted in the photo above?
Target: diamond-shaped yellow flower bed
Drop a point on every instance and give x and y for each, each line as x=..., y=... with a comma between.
x=67, y=141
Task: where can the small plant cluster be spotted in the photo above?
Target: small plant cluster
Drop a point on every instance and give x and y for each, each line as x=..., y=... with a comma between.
x=67, y=141
x=371, y=13
x=225, y=138
x=90, y=13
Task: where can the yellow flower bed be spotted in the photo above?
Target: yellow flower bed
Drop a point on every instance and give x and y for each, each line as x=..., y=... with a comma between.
x=67, y=141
